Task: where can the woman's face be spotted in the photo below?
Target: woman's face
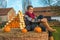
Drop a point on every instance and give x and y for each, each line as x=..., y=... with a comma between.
x=30, y=10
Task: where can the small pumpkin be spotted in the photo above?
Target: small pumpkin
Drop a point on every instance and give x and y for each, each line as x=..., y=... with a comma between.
x=7, y=29
x=24, y=30
x=38, y=29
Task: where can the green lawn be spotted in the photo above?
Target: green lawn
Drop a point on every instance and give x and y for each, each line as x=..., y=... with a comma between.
x=57, y=34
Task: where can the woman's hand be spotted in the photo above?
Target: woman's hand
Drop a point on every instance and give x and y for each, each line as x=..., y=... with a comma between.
x=39, y=20
x=44, y=20
x=32, y=20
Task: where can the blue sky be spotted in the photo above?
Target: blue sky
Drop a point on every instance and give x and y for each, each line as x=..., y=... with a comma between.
x=16, y=4
x=38, y=3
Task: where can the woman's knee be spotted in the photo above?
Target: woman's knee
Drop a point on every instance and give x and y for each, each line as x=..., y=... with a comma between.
x=42, y=27
x=44, y=20
x=50, y=33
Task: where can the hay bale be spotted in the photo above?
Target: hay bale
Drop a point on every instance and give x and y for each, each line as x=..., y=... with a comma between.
x=15, y=34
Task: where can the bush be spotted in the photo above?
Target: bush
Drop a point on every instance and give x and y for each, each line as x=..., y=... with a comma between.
x=2, y=24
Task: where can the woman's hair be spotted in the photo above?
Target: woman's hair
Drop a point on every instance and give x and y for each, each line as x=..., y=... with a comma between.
x=29, y=6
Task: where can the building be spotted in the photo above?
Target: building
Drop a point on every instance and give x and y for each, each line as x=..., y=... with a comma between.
x=51, y=13
x=6, y=14
x=47, y=11
x=3, y=3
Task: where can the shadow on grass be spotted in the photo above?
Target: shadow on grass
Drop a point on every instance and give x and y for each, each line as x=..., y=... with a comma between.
x=57, y=34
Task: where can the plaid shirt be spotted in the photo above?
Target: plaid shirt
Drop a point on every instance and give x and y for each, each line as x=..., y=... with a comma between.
x=30, y=19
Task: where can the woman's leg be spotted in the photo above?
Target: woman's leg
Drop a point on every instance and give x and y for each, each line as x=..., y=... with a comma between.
x=28, y=27
x=33, y=26
x=45, y=23
x=36, y=28
x=50, y=33
x=42, y=27
x=50, y=36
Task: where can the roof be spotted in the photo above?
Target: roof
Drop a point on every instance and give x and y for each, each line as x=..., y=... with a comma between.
x=47, y=11
x=46, y=8
x=4, y=11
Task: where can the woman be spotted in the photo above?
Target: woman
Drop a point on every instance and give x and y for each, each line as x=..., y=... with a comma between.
x=32, y=21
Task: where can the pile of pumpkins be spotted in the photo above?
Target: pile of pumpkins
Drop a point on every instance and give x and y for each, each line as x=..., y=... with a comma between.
x=15, y=23
x=37, y=29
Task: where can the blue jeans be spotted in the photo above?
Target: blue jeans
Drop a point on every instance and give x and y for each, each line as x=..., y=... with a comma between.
x=32, y=26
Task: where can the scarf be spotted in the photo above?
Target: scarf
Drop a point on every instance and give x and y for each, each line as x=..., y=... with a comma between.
x=30, y=15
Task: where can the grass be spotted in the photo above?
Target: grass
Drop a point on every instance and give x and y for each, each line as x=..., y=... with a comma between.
x=57, y=34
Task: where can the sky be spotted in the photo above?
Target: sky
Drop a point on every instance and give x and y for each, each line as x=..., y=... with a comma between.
x=17, y=4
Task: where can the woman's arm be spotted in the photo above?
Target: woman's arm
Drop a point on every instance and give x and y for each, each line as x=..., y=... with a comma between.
x=30, y=19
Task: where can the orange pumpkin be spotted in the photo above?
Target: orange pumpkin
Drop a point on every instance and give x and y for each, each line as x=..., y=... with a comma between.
x=7, y=29
x=9, y=24
x=13, y=25
x=38, y=29
x=24, y=30
x=17, y=26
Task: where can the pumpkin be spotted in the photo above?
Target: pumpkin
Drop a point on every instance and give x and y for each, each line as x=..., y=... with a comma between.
x=7, y=29
x=17, y=26
x=24, y=30
x=9, y=24
x=38, y=29
x=13, y=24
